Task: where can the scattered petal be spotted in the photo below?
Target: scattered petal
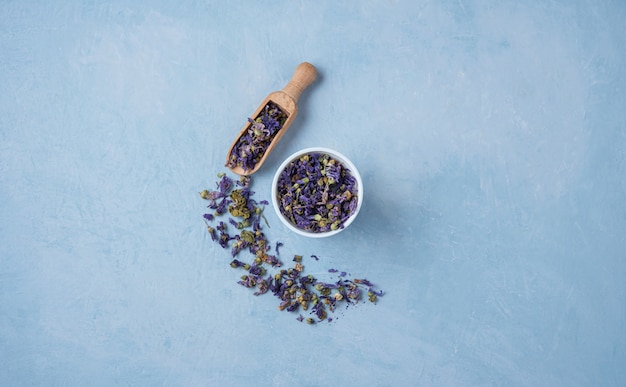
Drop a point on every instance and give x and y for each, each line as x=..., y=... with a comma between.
x=295, y=289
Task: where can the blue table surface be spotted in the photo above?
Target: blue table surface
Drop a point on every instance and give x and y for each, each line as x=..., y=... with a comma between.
x=491, y=138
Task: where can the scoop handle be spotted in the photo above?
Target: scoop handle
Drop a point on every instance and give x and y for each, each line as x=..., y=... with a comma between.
x=304, y=75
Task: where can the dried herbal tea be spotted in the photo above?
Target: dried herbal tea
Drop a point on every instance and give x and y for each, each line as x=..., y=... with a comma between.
x=246, y=215
x=296, y=290
x=251, y=146
x=317, y=193
x=301, y=292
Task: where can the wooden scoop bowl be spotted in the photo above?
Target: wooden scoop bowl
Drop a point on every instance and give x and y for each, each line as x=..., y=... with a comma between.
x=287, y=101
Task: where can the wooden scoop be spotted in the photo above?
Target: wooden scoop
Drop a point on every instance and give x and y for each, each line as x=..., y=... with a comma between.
x=287, y=101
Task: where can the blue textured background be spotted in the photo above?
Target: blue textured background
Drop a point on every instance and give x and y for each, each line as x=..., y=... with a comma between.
x=491, y=136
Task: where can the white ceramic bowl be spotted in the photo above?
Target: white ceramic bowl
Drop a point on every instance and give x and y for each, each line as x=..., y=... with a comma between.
x=337, y=156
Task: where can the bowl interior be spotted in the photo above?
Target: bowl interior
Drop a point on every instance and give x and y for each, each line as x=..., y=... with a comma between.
x=335, y=155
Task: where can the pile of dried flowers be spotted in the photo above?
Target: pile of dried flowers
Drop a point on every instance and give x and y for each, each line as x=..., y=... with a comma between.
x=251, y=146
x=297, y=291
x=317, y=193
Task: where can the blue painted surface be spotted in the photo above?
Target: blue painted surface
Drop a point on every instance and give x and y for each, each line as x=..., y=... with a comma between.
x=491, y=137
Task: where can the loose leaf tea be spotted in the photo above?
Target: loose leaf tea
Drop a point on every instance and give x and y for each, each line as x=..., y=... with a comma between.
x=317, y=193
x=296, y=290
x=251, y=146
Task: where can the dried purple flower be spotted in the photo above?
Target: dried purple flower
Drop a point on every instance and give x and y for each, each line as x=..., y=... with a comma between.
x=248, y=281
x=363, y=282
x=220, y=209
x=251, y=146
x=244, y=181
x=224, y=184
x=211, y=232
x=223, y=240
x=236, y=263
x=257, y=270
x=272, y=260
x=295, y=290
x=262, y=286
x=284, y=304
x=317, y=193
x=211, y=196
